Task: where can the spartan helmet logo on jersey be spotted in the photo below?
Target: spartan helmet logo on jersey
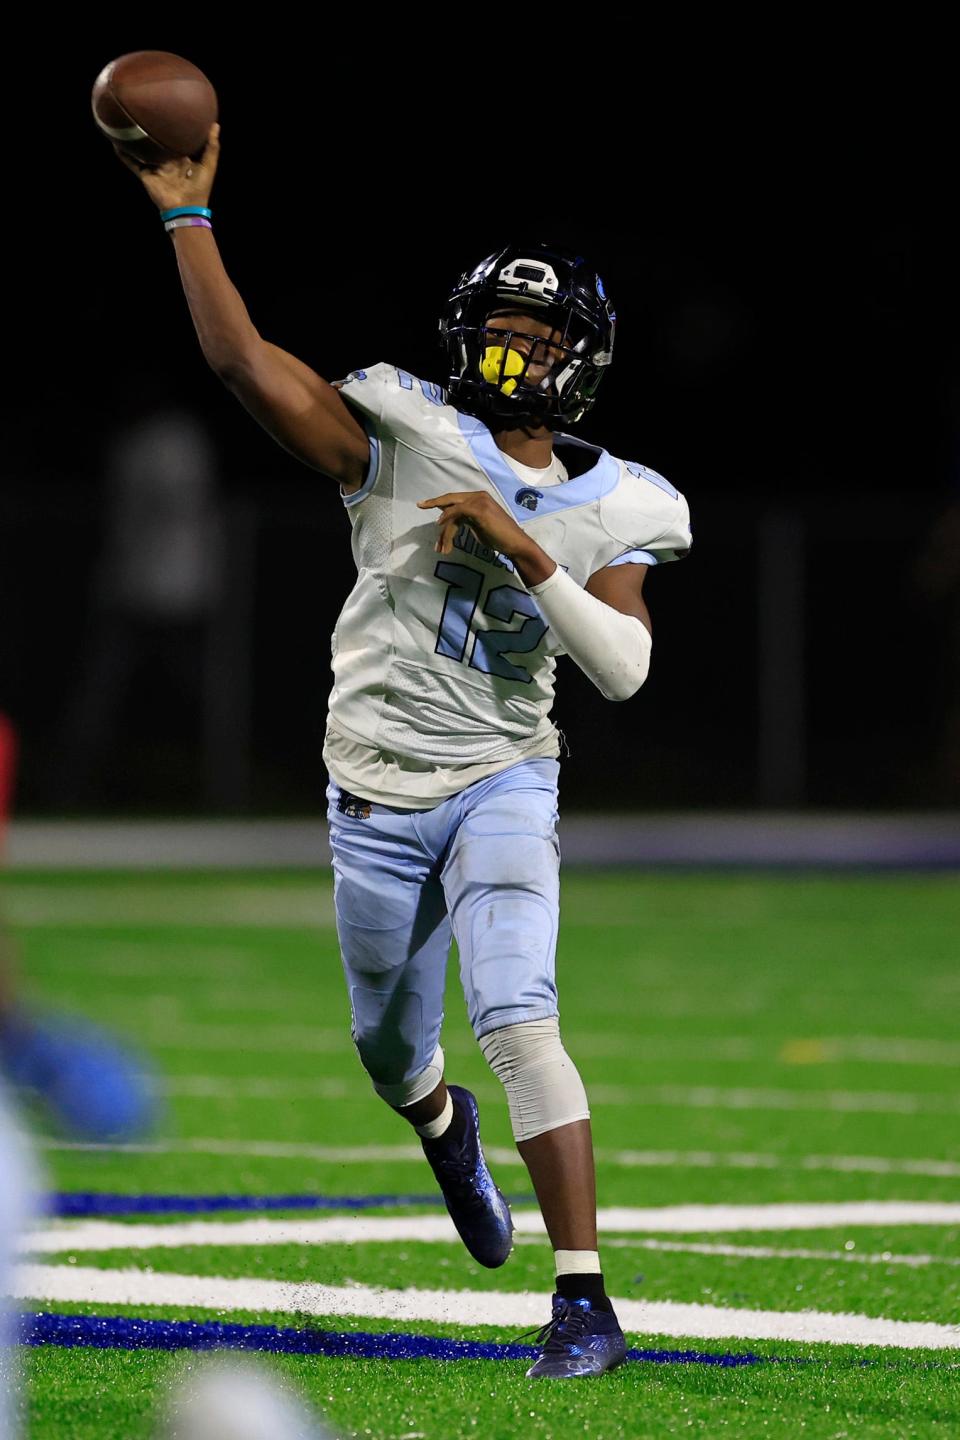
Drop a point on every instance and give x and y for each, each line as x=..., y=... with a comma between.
x=510, y=374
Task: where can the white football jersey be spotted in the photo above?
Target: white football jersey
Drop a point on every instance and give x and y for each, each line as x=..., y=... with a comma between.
x=443, y=665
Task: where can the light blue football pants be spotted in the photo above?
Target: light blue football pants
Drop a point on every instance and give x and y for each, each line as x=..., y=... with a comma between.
x=482, y=866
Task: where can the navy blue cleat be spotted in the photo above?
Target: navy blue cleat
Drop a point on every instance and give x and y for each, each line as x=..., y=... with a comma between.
x=476, y=1206
x=578, y=1341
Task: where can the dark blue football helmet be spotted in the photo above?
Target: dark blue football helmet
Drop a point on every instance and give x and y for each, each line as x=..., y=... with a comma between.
x=488, y=378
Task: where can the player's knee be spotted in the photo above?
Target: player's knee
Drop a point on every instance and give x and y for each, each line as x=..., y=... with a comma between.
x=544, y=1089
x=395, y=1049
x=388, y=1031
x=407, y=1091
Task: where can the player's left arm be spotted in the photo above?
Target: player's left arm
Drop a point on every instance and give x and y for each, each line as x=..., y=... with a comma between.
x=604, y=628
x=621, y=587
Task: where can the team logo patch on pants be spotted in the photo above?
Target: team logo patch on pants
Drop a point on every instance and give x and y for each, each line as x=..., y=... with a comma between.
x=353, y=806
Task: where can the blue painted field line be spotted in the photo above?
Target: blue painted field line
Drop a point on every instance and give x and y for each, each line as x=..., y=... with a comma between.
x=89, y=1203
x=123, y=1332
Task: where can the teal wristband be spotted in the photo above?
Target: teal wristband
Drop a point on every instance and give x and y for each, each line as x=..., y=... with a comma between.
x=203, y=210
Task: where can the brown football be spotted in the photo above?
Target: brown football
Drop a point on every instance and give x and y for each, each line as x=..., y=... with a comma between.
x=155, y=105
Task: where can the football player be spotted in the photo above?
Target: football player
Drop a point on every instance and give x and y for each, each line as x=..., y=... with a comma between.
x=488, y=541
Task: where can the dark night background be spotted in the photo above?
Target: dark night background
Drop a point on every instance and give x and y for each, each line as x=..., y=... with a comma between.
x=786, y=354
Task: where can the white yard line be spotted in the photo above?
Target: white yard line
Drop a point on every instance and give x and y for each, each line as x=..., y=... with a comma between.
x=240, y=1039
x=256, y=1087
x=161, y=906
x=504, y=1156
x=747, y=1160
x=346, y=1230
x=368, y=1229
x=138, y=1288
x=872, y=1049
x=265, y=995
x=712, y=1219
x=869, y=1049
x=771, y=1252
x=710, y=1097
x=76, y=959
x=893, y=1050
x=172, y=1033
x=672, y=1096
x=258, y=1149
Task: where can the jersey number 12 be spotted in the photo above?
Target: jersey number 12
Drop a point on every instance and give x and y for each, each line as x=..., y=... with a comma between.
x=490, y=647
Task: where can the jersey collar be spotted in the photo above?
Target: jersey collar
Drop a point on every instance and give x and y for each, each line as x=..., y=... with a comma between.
x=585, y=489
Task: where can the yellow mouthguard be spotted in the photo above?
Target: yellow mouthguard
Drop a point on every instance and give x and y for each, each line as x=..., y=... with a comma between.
x=490, y=367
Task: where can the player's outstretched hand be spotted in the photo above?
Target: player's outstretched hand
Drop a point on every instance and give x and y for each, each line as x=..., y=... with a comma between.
x=181, y=181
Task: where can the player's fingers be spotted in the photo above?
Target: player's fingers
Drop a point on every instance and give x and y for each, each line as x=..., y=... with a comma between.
x=448, y=514
x=177, y=169
x=211, y=150
x=436, y=501
x=448, y=524
x=126, y=159
x=444, y=503
x=445, y=543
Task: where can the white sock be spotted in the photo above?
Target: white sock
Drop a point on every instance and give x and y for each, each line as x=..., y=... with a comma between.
x=577, y=1262
x=435, y=1128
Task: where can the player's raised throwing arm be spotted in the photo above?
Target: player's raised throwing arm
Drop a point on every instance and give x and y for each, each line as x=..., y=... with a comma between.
x=298, y=408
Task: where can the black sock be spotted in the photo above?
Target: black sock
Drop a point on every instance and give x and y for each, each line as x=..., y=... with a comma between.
x=584, y=1287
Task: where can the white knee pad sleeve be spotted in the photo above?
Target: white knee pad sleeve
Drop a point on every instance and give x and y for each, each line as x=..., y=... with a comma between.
x=408, y=1092
x=543, y=1086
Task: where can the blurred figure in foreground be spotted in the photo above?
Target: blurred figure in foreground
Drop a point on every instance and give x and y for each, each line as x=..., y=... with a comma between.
x=17, y=1190
x=93, y=1086
x=228, y=1398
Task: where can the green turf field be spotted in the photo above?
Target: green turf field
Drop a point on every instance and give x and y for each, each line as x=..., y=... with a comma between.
x=746, y=1041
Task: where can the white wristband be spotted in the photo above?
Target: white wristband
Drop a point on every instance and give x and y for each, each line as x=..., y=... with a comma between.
x=611, y=648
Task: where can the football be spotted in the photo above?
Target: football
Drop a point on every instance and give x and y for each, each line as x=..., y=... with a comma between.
x=154, y=105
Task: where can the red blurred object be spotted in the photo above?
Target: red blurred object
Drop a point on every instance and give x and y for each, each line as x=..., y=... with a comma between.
x=8, y=767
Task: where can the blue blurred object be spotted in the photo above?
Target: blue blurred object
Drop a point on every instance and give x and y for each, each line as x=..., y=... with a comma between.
x=96, y=1089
